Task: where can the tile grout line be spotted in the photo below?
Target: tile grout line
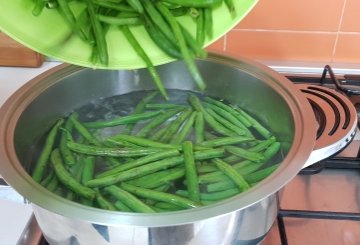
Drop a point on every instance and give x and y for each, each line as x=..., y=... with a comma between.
x=297, y=31
x=338, y=31
x=225, y=43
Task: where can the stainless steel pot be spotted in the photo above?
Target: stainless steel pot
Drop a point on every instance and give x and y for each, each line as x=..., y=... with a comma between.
x=243, y=219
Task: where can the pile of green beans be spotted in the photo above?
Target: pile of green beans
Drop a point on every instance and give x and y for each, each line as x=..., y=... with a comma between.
x=205, y=151
x=159, y=19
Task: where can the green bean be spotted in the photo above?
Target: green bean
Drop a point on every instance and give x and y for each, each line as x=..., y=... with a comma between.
x=122, y=120
x=261, y=174
x=116, y=6
x=206, y=169
x=136, y=172
x=271, y=151
x=250, y=155
x=183, y=133
x=225, y=123
x=158, y=20
x=199, y=127
x=136, y=4
x=214, y=196
x=67, y=155
x=220, y=186
x=53, y=183
x=151, y=168
x=193, y=44
x=163, y=188
x=51, y=4
x=38, y=7
x=232, y=159
x=110, y=151
x=231, y=7
x=175, y=125
x=257, y=126
x=221, y=141
x=262, y=145
x=149, y=65
x=103, y=203
x=199, y=3
x=43, y=159
x=230, y=110
x=140, y=107
x=159, y=133
x=195, y=102
x=242, y=168
x=88, y=170
x=164, y=106
x=128, y=199
x=228, y=116
x=209, y=136
x=70, y=18
x=48, y=178
x=83, y=131
x=101, y=45
x=121, y=206
x=66, y=178
x=229, y=171
x=156, y=121
x=128, y=14
x=245, y=167
x=200, y=27
x=251, y=178
x=157, y=179
x=208, y=154
x=179, y=11
x=142, y=141
x=120, y=143
x=82, y=24
x=161, y=40
x=118, y=21
x=190, y=172
x=182, y=45
x=208, y=20
x=140, y=161
x=160, y=196
x=76, y=171
x=167, y=206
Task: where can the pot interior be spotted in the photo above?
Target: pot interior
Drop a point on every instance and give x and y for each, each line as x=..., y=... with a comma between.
x=263, y=93
x=83, y=90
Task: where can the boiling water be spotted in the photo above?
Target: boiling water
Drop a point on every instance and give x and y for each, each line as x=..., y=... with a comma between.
x=104, y=109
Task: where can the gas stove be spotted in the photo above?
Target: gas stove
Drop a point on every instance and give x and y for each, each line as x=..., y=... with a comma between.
x=321, y=205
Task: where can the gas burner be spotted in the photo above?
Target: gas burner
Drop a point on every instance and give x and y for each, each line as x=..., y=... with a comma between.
x=336, y=117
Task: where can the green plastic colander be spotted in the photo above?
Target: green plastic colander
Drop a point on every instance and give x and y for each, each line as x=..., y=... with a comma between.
x=45, y=34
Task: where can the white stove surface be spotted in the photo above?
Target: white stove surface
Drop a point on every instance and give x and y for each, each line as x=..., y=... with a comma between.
x=14, y=212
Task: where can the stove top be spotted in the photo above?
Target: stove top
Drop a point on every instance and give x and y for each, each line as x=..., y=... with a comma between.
x=322, y=204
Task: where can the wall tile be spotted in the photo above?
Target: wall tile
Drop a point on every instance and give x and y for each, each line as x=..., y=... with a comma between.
x=318, y=15
x=351, y=18
x=218, y=45
x=284, y=46
x=348, y=49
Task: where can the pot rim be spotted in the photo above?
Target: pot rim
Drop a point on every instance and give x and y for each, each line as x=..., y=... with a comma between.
x=16, y=176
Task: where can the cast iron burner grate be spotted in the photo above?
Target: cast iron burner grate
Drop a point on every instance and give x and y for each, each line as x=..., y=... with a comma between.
x=334, y=162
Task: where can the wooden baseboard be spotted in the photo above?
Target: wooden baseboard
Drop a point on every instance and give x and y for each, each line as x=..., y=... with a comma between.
x=15, y=54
